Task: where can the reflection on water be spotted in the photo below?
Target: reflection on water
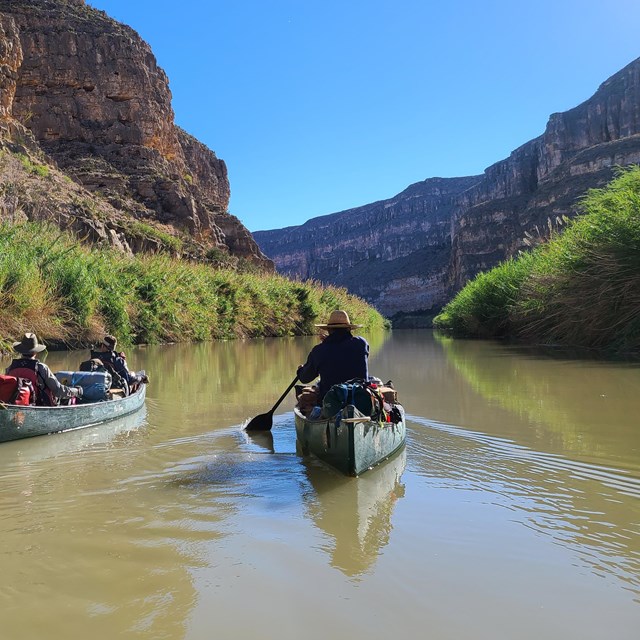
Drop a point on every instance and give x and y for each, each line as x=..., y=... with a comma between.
x=517, y=498
x=263, y=439
x=587, y=408
x=583, y=409
x=354, y=512
x=84, y=545
x=74, y=442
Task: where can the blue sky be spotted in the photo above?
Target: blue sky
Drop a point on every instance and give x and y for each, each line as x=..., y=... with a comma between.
x=319, y=106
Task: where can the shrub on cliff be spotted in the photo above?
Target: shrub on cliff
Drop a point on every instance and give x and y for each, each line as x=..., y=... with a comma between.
x=66, y=292
x=581, y=288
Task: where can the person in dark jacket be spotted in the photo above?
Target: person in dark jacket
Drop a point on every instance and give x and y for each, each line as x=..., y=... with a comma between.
x=49, y=391
x=116, y=363
x=341, y=356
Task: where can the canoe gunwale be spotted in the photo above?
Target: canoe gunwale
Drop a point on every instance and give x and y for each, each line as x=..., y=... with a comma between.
x=18, y=422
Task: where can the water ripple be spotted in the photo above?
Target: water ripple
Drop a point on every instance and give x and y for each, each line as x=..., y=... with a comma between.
x=619, y=479
x=582, y=506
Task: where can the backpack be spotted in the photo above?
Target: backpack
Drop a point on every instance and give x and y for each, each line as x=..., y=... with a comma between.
x=354, y=392
x=95, y=364
x=98, y=364
x=31, y=370
x=17, y=391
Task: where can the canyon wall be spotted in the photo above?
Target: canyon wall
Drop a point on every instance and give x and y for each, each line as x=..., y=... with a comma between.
x=408, y=255
x=91, y=94
x=394, y=253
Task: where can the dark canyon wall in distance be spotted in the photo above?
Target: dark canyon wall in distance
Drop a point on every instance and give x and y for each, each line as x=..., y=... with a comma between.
x=411, y=253
x=394, y=253
x=92, y=95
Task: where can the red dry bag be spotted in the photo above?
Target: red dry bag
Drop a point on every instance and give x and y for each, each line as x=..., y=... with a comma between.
x=16, y=390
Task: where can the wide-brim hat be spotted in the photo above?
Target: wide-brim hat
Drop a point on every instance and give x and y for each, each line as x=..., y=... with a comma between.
x=29, y=344
x=110, y=342
x=339, y=320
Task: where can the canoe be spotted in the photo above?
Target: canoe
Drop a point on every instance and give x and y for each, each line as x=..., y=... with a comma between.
x=350, y=442
x=18, y=422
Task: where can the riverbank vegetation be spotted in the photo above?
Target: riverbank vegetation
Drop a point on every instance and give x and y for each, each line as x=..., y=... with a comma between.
x=581, y=287
x=69, y=293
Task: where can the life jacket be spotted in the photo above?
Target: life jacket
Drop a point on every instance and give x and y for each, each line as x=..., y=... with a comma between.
x=14, y=390
x=28, y=368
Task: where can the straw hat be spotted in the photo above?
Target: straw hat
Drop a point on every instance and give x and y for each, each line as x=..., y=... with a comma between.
x=339, y=320
x=28, y=345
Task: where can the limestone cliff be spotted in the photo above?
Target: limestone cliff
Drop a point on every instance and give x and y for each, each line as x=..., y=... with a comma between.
x=394, y=253
x=91, y=94
x=545, y=178
x=10, y=61
x=411, y=253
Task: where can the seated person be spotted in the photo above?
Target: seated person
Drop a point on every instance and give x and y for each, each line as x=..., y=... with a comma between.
x=341, y=356
x=116, y=364
x=49, y=391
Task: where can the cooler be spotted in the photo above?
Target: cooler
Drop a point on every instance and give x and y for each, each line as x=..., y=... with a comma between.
x=95, y=384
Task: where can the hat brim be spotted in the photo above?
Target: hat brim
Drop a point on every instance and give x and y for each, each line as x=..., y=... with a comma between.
x=339, y=326
x=37, y=349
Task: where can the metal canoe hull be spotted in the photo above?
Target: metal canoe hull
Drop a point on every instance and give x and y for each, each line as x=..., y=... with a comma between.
x=26, y=422
x=352, y=447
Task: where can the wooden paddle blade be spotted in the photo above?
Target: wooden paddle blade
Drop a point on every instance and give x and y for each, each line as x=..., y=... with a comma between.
x=263, y=422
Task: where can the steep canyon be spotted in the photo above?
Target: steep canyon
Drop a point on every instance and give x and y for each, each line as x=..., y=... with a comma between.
x=409, y=254
x=84, y=95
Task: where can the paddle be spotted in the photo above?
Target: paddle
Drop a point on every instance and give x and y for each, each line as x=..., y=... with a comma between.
x=264, y=421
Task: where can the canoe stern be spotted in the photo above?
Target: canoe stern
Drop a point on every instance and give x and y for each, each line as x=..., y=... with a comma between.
x=352, y=446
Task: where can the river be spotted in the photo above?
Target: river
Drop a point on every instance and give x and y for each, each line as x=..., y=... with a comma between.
x=513, y=512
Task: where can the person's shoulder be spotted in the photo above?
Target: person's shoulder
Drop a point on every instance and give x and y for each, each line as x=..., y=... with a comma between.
x=318, y=348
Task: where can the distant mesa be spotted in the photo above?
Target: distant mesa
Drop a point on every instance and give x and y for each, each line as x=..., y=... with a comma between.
x=409, y=254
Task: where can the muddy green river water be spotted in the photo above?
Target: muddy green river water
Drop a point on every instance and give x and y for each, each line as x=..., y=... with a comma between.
x=513, y=512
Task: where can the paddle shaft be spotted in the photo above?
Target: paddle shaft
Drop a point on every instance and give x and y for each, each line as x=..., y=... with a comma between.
x=284, y=395
x=264, y=421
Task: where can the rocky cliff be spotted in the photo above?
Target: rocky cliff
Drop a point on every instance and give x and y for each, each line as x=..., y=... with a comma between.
x=394, y=253
x=408, y=255
x=90, y=93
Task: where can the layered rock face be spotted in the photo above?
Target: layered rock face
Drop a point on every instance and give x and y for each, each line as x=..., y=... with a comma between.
x=394, y=253
x=10, y=61
x=546, y=177
x=91, y=92
x=413, y=252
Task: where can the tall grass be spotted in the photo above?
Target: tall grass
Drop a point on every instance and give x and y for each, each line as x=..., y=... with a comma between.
x=581, y=288
x=483, y=308
x=64, y=291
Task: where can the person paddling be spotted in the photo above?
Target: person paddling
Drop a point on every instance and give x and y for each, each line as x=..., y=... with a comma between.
x=341, y=356
x=116, y=364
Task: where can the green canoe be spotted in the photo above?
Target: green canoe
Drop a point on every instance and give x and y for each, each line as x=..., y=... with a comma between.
x=350, y=442
x=24, y=422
